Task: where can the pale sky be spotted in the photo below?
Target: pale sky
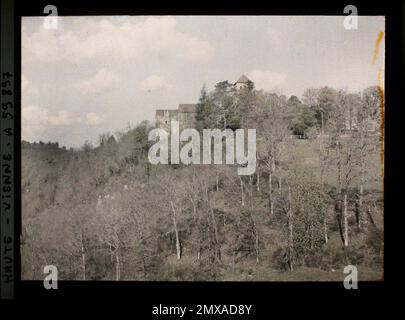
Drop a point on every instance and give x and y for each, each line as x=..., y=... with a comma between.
x=97, y=74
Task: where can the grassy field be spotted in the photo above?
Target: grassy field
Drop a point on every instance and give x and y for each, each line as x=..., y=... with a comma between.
x=250, y=271
x=305, y=153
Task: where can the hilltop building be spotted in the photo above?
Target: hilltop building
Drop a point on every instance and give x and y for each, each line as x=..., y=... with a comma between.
x=186, y=113
x=242, y=81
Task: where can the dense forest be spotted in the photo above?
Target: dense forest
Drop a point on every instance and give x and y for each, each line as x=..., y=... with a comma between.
x=313, y=206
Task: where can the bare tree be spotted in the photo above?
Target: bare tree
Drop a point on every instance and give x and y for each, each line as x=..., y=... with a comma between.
x=290, y=232
x=273, y=130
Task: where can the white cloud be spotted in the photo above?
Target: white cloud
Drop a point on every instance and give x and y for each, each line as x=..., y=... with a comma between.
x=153, y=36
x=37, y=122
x=93, y=119
x=267, y=80
x=34, y=116
x=101, y=80
x=37, y=116
x=152, y=83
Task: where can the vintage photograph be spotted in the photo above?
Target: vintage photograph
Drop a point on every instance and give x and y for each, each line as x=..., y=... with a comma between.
x=202, y=148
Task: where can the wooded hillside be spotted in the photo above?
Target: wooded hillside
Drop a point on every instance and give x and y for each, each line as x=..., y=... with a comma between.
x=313, y=206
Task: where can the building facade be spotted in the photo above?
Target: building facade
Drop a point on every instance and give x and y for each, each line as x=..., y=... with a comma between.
x=185, y=115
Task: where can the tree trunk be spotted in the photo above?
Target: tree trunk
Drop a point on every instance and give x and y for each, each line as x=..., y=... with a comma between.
x=144, y=267
x=322, y=160
x=194, y=207
x=241, y=191
x=362, y=180
x=290, y=229
x=176, y=231
x=370, y=217
x=199, y=249
x=339, y=207
x=251, y=191
x=339, y=167
x=360, y=205
x=345, y=221
x=257, y=244
x=325, y=216
x=271, y=206
x=255, y=230
x=83, y=255
x=200, y=237
x=117, y=265
x=347, y=183
x=217, y=249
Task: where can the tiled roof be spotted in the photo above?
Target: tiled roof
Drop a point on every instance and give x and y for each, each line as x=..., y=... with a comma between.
x=162, y=112
x=242, y=79
x=188, y=108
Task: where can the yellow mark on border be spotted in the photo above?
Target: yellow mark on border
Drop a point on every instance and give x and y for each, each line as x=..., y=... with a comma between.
x=377, y=46
x=382, y=104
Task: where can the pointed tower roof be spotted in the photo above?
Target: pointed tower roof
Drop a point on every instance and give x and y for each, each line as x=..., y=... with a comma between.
x=242, y=79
